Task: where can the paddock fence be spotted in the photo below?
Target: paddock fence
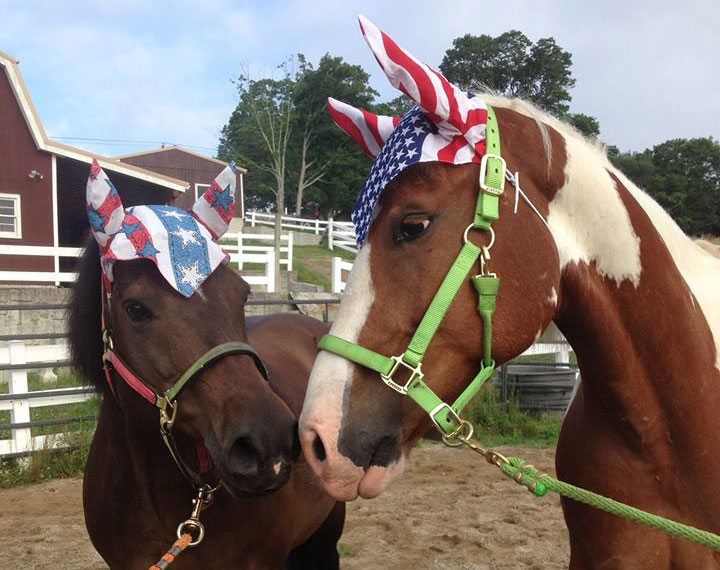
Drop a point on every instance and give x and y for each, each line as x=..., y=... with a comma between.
x=22, y=354
x=240, y=254
x=339, y=234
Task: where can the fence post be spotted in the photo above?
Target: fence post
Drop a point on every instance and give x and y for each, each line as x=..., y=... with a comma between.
x=270, y=271
x=252, y=219
x=290, y=244
x=336, y=275
x=21, y=438
x=317, y=227
x=330, y=234
x=240, y=248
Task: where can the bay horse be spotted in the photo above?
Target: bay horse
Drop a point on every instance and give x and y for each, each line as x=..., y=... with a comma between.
x=635, y=297
x=233, y=425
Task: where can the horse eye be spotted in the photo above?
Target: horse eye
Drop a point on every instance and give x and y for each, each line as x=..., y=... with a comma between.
x=411, y=229
x=136, y=310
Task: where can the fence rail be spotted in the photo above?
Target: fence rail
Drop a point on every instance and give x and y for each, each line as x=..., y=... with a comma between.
x=340, y=234
x=338, y=267
x=265, y=258
x=236, y=244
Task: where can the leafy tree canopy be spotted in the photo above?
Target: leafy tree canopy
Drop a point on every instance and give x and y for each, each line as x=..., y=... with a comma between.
x=683, y=175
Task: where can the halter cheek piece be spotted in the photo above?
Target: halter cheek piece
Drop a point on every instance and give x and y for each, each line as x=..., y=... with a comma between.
x=167, y=402
x=446, y=417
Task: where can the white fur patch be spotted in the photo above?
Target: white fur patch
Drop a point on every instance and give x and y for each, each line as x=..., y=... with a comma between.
x=588, y=219
x=331, y=374
x=700, y=268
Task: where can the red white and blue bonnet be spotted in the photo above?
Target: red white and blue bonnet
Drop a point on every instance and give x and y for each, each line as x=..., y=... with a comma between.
x=446, y=125
x=183, y=245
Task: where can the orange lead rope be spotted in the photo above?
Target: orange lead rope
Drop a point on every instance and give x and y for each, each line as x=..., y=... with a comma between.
x=169, y=557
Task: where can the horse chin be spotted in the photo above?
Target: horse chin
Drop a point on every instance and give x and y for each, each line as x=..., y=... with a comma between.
x=241, y=487
x=377, y=479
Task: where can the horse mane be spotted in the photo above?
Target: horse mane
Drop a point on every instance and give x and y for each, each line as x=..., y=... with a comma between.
x=83, y=317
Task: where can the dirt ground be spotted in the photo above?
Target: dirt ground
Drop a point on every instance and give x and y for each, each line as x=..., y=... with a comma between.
x=450, y=511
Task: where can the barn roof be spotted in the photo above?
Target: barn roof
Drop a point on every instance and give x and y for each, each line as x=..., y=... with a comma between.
x=37, y=131
x=180, y=149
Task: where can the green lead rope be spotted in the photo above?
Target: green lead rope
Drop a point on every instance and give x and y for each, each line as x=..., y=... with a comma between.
x=539, y=484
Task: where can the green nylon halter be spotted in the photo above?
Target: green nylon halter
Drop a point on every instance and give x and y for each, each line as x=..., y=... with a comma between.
x=445, y=416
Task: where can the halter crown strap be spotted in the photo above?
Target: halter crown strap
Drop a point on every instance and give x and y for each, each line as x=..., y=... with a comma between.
x=443, y=415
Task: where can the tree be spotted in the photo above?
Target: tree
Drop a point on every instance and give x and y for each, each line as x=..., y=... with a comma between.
x=683, y=175
x=265, y=114
x=343, y=165
x=586, y=124
x=511, y=64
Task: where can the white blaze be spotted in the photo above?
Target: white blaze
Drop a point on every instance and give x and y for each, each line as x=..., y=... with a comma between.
x=332, y=374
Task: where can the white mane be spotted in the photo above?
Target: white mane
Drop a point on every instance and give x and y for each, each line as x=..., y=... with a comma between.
x=595, y=226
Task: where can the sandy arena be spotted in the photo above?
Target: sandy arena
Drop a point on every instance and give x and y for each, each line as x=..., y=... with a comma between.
x=451, y=511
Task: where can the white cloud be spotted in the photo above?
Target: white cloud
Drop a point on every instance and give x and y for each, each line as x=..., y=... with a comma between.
x=160, y=71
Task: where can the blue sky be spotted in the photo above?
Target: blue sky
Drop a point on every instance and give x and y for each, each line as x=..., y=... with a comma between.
x=160, y=71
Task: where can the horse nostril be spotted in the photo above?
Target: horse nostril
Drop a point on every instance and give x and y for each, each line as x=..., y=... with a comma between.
x=243, y=455
x=319, y=448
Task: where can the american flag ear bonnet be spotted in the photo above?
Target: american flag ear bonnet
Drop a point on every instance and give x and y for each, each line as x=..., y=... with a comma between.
x=447, y=124
x=181, y=244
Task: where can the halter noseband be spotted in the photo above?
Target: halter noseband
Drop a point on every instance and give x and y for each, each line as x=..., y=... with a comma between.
x=446, y=417
x=167, y=402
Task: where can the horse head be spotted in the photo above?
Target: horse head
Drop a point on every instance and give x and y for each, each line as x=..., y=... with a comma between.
x=414, y=216
x=169, y=298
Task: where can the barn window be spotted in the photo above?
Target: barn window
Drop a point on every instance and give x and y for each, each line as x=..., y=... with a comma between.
x=10, y=226
x=200, y=189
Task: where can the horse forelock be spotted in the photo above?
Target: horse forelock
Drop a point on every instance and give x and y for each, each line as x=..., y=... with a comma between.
x=83, y=317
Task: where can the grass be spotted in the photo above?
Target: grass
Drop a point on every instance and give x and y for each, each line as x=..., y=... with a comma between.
x=498, y=423
x=314, y=263
x=46, y=463
x=345, y=550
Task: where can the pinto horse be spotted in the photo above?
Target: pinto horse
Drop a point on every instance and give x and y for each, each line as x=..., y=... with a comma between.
x=233, y=425
x=635, y=297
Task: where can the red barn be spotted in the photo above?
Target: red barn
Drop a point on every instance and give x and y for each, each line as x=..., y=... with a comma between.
x=42, y=187
x=199, y=170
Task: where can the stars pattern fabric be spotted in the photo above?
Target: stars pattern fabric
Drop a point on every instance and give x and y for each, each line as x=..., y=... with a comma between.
x=177, y=242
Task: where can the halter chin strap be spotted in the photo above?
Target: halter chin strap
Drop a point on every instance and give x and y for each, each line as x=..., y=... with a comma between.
x=167, y=402
x=446, y=417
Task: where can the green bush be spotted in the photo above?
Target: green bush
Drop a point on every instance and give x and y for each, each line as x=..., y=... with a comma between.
x=498, y=423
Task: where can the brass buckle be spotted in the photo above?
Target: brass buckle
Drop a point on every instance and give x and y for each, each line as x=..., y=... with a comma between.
x=452, y=413
x=483, y=174
x=167, y=420
x=415, y=373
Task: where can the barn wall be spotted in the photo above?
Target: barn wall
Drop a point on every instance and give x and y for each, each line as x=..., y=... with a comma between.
x=18, y=157
x=178, y=164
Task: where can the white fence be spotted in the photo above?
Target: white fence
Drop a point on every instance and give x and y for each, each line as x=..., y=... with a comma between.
x=19, y=358
x=55, y=276
x=265, y=258
x=338, y=267
x=340, y=234
x=238, y=243
x=288, y=222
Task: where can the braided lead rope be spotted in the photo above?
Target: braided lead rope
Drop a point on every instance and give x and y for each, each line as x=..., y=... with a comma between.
x=540, y=483
x=175, y=550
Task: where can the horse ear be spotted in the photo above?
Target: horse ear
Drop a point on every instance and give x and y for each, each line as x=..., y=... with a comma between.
x=214, y=209
x=104, y=207
x=453, y=111
x=369, y=130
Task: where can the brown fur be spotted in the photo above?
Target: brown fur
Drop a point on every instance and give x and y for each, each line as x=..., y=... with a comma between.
x=134, y=495
x=644, y=428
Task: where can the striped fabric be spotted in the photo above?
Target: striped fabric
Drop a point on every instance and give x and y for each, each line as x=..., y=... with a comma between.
x=447, y=125
x=177, y=242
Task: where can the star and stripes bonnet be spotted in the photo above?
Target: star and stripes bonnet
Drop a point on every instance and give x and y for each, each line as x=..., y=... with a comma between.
x=183, y=245
x=446, y=125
